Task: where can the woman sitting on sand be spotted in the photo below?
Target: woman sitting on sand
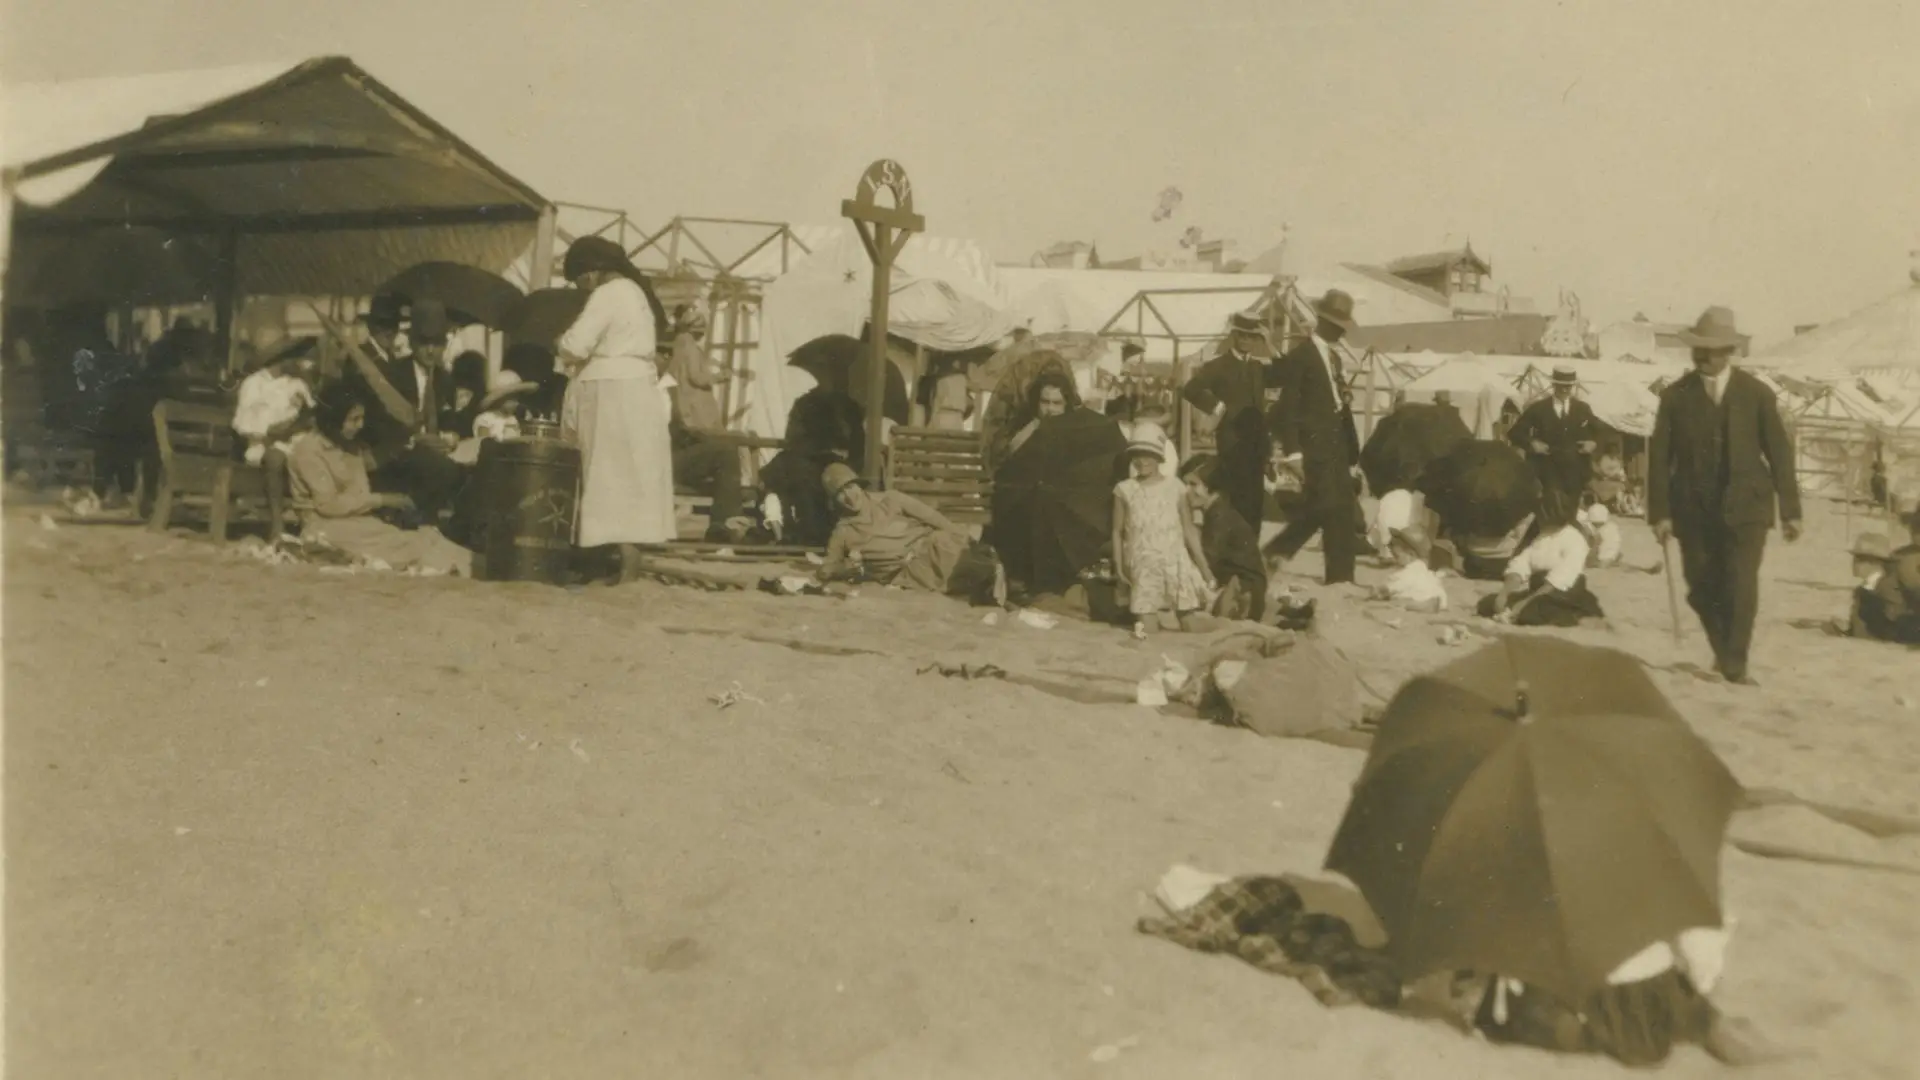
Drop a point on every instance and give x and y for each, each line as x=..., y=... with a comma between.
x=337, y=503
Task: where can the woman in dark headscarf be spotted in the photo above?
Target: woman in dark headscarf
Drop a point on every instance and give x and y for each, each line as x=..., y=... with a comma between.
x=615, y=409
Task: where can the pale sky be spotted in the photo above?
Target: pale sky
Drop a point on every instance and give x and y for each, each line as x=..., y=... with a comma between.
x=1648, y=156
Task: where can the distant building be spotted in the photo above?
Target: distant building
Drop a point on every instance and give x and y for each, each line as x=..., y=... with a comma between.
x=1496, y=335
x=1640, y=338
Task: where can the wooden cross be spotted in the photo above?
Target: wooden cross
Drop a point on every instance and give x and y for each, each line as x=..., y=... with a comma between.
x=884, y=230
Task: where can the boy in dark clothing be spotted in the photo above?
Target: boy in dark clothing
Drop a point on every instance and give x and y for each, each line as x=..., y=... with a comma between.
x=1229, y=543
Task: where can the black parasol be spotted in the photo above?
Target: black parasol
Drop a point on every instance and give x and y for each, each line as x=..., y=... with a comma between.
x=1053, y=499
x=1482, y=488
x=470, y=294
x=1407, y=441
x=542, y=316
x=842, y=363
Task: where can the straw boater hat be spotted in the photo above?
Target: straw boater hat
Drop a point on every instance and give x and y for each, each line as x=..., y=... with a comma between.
x=1147, y=438
x=837, y=476
x=1714, y=330
x=502, y=385
x=1565, y=376
x=1337, y=308
x=1242, y=323
x=1872, y=545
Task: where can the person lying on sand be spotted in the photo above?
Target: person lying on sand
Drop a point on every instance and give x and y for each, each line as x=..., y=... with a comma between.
x=894, y=538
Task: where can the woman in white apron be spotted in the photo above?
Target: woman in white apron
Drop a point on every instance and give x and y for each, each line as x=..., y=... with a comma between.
x=615, y=410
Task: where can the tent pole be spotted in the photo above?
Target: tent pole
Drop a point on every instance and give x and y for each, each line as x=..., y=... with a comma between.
x=226, y=296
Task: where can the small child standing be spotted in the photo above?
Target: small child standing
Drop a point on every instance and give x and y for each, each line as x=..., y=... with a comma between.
x=1231, y=548
x=1156, y=546
x=1414, y=585
x=499, y=416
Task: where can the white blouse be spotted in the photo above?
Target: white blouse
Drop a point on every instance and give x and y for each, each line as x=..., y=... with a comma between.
x=613, y=335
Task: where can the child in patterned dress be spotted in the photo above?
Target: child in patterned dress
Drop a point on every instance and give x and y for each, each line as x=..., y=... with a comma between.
x=1156, y=545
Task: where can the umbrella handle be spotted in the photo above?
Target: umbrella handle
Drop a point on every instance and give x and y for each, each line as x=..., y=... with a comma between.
x=1673, y=588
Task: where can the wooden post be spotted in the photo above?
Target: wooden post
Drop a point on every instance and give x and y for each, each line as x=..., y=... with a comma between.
x=1371, y=398
x=226, y=296
x=884, y=231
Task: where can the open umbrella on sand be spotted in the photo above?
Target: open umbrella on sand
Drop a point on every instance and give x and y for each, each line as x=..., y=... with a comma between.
x=470, y=294
x=541, y=316
x=1407, y=441
x=1537, y=810
x=1481, y=488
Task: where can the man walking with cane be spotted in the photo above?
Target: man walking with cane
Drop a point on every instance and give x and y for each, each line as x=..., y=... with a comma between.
x=1719, y=460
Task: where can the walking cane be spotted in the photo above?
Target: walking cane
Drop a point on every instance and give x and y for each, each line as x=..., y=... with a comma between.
x=1673, y=588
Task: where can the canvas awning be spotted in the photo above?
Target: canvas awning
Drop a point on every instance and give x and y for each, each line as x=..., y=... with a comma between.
x=1883, y=337
x=295, y=179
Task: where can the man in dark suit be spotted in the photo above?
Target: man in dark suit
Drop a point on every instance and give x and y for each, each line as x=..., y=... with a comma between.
x=1559, y=434
x=1314, y=423
x=1719, y=461
x=410, y=453
x=1232, y=389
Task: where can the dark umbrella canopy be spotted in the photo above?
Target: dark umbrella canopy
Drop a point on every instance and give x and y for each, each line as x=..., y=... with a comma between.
x=1481, y=488
x=1053, y=499
x=1536, y=810
x=542, y=316
x=470, y=294
x=1408, y=440
x=843, y=362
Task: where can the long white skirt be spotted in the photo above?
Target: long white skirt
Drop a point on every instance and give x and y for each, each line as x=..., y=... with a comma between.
x=626, y=460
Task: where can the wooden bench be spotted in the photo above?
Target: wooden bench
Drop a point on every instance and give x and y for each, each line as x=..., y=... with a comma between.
x=198, y=462
x=945, y=469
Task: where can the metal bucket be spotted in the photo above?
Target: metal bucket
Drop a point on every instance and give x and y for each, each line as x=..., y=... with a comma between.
x=532, y=496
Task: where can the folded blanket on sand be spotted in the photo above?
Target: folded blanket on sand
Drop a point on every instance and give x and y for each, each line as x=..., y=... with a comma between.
x=1263, y=921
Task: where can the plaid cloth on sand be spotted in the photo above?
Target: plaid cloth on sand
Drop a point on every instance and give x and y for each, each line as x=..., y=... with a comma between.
x=1263, y=921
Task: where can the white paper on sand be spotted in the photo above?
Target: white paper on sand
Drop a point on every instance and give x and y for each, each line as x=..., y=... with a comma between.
x=1184, y=886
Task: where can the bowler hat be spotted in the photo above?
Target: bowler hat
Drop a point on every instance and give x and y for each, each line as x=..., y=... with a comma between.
x=1715, y=329
x=384, y=311
x=1337, y=308
x=430, y=324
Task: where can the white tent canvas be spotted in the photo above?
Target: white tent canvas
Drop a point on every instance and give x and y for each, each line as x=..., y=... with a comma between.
x=1883, y=337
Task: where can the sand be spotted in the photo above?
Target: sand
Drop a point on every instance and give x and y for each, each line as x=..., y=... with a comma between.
x=265, y=821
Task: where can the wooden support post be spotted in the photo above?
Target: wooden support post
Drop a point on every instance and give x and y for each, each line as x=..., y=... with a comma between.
x=884, y=231
x=226, y=296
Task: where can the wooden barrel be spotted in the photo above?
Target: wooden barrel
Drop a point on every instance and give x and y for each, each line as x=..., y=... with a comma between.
x=532, y=498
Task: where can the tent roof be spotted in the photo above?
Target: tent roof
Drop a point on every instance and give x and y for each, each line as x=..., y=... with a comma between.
x=1883, y=336
x=318, y=151
x=1507, y=334
x=1194, y=305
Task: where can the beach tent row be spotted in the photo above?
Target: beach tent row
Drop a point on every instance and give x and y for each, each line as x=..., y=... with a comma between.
x=295, y=179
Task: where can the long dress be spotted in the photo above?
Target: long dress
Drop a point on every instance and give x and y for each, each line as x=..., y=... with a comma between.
x=617, y=415
x=335, y=499
x=1163, y=576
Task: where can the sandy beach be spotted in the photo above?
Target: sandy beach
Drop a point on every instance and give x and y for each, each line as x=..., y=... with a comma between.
x=271, y=821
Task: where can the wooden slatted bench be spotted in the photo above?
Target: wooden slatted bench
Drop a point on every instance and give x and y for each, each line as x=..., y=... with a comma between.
x=197, y=461
x=945, y=469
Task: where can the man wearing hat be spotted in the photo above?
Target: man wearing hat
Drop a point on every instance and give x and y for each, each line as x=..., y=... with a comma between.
x=1232, y=389
x=1314, y=423
x=1558, y=434
x=1719, y=462
x=412, y=459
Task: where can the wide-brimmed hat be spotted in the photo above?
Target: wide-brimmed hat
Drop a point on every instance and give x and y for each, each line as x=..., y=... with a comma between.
x=1872, y=545
x=1241, y=322
x=1337, y=308
x=428, y=323
x=837, y=476
x=502, y=385
x=1598, y=514
x=385, y=311
x=1565, y=376
x=1414, y=538
x=591, y=253
x=1715, y=329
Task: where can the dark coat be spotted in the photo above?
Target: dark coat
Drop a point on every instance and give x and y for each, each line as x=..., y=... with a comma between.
x=1563, y=465
x=1311, y=419
x=1730, y=463
x=1242, y=385
x=386, y=435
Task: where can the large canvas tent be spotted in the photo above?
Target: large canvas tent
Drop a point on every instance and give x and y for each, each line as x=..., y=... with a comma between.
x=303, y=179
x=1883, y=337
x=945, y=296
